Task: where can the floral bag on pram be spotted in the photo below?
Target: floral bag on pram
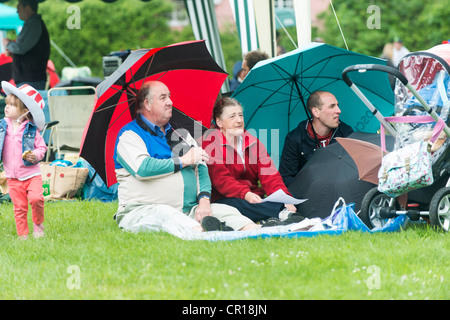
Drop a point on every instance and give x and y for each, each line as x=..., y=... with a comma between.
x=408, y=168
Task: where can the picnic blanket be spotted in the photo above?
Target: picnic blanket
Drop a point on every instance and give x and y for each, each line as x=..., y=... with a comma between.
x=341, y=219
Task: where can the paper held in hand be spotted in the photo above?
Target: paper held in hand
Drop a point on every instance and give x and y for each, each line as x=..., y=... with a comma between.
x=282, y=197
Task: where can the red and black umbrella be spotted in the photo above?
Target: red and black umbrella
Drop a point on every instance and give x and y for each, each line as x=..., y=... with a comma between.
x=186, y=68
x=6, y=69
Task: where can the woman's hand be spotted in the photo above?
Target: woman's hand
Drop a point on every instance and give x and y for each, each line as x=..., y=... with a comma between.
x=252, y=197
x=291, y=207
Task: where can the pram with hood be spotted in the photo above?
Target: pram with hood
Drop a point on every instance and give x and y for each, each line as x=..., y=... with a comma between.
x=422, y=89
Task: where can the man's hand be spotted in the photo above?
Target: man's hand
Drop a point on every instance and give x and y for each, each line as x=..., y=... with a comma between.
x=5, y=42
x=194, y=155
x=203, y=209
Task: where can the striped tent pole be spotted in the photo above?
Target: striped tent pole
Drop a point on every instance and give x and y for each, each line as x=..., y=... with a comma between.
x=244, y=15
x=265, y=24
x=302, y=10
x=203, y=20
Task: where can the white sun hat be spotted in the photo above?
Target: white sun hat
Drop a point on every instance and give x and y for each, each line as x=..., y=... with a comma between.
x=31, y=99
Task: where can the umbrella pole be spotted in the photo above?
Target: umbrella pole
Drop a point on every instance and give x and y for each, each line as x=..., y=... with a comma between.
x=302, y=99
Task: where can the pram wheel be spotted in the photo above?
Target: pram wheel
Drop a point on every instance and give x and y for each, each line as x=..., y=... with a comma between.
x=440, y=209
x=371, y=206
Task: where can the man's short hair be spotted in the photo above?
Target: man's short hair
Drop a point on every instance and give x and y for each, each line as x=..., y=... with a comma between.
x=253, y=57
x=32, y=3
x=314, y=100
x=142, y=94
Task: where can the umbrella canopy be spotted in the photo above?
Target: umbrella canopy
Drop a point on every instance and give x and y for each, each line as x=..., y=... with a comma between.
x=6, y=68
x=9, y=18
x=190, y=73
x=278, y=88
x=367, y=157
x=332, y=173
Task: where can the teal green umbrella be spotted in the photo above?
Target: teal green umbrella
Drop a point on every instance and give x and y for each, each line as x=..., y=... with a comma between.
x=9, y=19
x=275, y=92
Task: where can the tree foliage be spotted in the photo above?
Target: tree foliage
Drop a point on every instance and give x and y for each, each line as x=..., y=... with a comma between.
x=132, y=24
x=106, y=27
x=421, y=24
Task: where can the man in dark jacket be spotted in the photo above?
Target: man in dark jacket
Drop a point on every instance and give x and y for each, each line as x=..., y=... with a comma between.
x=31, y=50
x=317, y=132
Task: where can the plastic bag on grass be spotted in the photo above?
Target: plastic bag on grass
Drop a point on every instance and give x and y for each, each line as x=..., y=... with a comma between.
x=95, y=188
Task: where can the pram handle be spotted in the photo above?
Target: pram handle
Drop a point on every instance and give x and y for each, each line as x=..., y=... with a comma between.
x=372, y=67
x=399, y=76
x=364, y=68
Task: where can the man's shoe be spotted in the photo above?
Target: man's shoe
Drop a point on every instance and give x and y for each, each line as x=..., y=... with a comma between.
x=271, y=222
x=293, y=217
x=225, y=227
x=284, y=214
x=210, y=223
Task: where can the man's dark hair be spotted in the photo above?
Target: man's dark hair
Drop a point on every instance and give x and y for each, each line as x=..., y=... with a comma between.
x=32, y=3
x=253, y=57
x=314, y=100
x=142, y=95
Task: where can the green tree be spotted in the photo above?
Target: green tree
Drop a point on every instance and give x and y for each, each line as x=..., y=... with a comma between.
x=421, y=24
x=105, y=27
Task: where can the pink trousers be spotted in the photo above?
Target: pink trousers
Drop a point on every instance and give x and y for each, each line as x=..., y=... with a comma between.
x=21, y=192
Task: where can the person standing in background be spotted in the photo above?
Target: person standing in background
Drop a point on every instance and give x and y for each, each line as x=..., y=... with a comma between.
x=399, y=51
x=31, y=50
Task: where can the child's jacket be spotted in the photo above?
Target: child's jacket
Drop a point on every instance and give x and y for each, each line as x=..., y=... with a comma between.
x=14, y=144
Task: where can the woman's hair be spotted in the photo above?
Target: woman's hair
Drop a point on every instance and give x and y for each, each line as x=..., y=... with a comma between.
x=220, y=105
x=15, y=101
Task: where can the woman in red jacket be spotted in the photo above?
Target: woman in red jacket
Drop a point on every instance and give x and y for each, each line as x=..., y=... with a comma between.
x=241, y=171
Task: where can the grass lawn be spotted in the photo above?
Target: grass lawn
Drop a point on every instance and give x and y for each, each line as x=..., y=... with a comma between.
x=85, y=256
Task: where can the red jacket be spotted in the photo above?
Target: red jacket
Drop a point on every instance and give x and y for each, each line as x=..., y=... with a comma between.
x=233, y=178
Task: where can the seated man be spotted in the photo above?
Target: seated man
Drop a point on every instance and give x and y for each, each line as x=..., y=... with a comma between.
x=251, y=59
x=161, y=189
x=312, y=134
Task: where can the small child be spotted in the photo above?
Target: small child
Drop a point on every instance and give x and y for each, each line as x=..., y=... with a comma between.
x=21, y=149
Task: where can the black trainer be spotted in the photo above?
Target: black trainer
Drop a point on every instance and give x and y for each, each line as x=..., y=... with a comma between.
x=210, y=223
x=271, y=222
x=294, y=217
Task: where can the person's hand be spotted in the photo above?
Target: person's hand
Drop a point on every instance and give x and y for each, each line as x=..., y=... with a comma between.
x=203, y=209
x=291, y=207
x=252, y=197
x=194, y=155
x=30, y=156
x=5, y=42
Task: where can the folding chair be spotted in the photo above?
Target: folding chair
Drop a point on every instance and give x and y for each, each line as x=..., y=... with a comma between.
x=71, y=107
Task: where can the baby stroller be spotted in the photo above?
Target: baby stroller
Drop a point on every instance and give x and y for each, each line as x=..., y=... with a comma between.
x=422, y=91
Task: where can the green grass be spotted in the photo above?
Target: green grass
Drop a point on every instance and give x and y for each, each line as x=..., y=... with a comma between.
x=83, y=242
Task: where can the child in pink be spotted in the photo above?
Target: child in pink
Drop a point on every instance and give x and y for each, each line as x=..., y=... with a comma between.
x=21, y=149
